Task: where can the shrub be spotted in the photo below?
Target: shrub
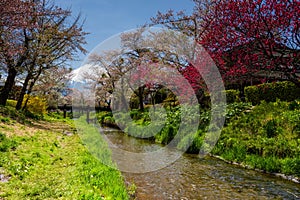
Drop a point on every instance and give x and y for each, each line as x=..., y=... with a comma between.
x=192, y=142
x=271, y=128
x=102, y=115
x=136, y=114
x=36, y=105
x=108, y=120
x=235, y=110
x=11, y=103
x=4, y=119
x=232, y=96
x=134, y=102
x=252, y=94
x=269, y=92
x=294, y=105
x=10, y=112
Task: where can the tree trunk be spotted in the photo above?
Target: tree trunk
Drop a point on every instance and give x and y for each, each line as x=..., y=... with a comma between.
x=31, y=87
x=23, y=92
x=141, y=95
x=28, y=92
x=9, y=83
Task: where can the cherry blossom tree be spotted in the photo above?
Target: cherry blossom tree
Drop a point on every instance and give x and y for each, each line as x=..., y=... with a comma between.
x=139, y=50
x=53, y=85
x=48, y=39
x=14, y=16
x=56, y=42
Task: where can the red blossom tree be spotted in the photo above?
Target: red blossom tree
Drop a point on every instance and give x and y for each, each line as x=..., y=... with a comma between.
x=195, y=80
x=255, y=38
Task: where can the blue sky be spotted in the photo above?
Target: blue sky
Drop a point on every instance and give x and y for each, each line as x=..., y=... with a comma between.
x=105, y=18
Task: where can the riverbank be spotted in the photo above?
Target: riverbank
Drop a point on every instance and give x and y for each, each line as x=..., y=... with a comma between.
x=279, y=175
x=46, y=159
x=265, y=137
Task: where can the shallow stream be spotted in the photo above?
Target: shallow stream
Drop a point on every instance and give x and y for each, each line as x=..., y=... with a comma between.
x=207, y=178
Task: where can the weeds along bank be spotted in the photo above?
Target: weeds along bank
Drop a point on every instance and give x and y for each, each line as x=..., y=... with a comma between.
x=265, y=136
x=45, y=159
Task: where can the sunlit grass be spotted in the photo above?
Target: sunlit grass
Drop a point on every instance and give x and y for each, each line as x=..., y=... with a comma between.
x=267, y=138
x=46, y=163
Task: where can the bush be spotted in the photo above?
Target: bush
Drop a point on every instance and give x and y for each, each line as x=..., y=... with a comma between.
x=36, y=105
x=294, y=105
x=252, y=94
x=35, y=109
x=108, y=120
x=136, y=114
x=234, y=110
x=134, y=102
x=269, y=92
x=232, y=96
x=271, y=128
x=10, y=112
x=102, y=115
x=11, y=103
x=192, y=142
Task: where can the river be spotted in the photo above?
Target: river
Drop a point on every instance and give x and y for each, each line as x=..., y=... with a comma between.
x=191, y=177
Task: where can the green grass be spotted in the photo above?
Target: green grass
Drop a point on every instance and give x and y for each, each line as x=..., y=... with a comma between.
x=267, y=138
x=47, y=164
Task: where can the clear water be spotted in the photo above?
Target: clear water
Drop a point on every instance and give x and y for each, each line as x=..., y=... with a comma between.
x=208, y=178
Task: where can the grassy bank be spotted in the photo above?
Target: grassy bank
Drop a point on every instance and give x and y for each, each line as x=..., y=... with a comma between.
x=47, y=160
x=265, y=136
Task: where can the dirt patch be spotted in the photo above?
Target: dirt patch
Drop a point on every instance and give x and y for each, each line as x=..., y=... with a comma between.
x=29, y=130
x=51, y=126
